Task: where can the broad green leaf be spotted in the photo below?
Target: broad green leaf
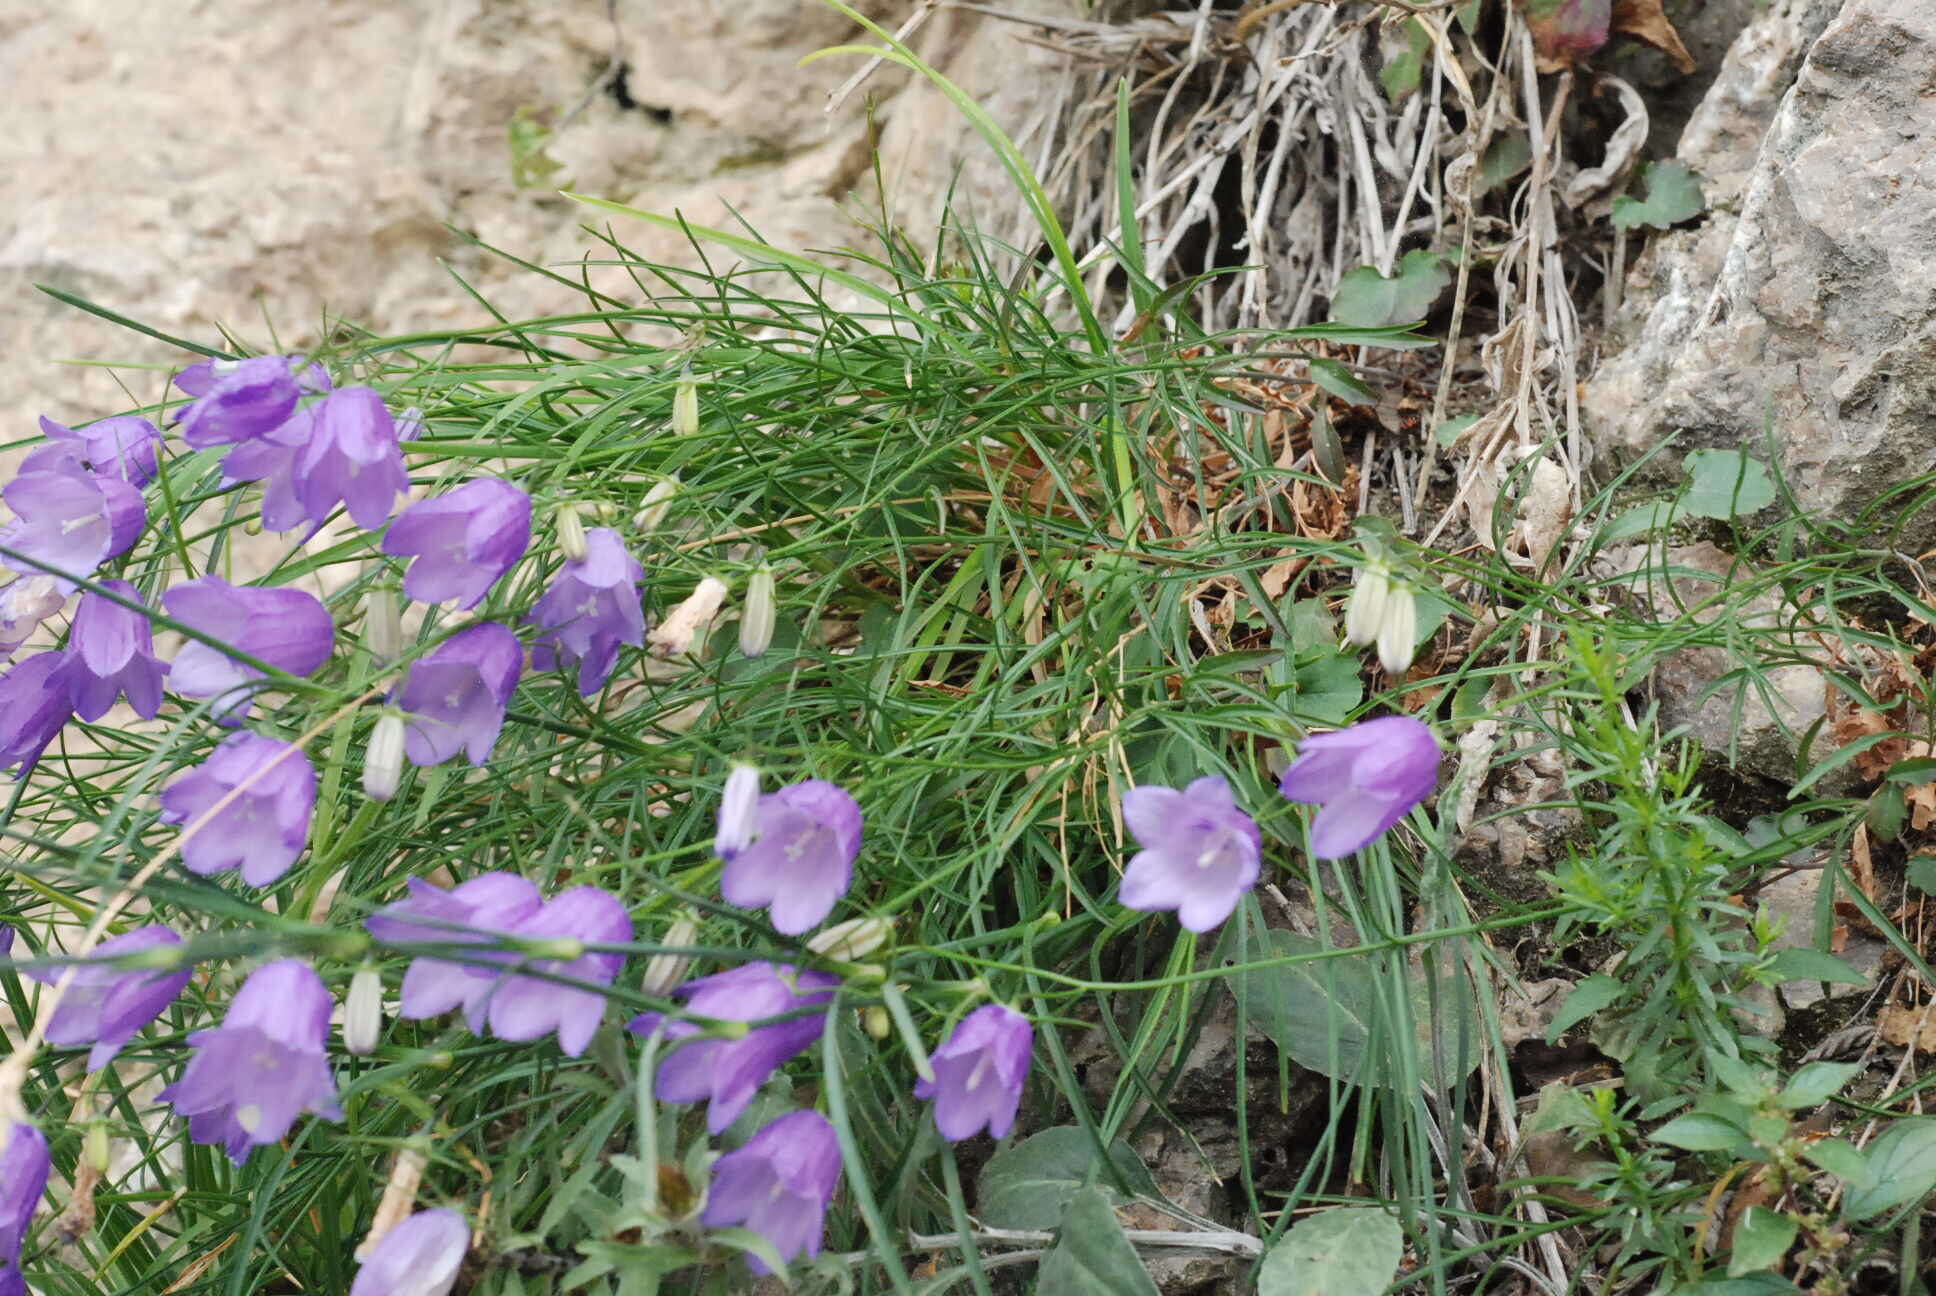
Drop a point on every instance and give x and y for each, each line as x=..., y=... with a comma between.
x=1405, y=58
x=1023, y=1186
x=1333, y=377
x=1922, y=873
x=1840, y=1158
x=1815, y=1083
x=1448, y=431
x=1673, y=195
x=1698, y=1132
x=1913, y=771
x=1506, y=156
x=1887, y=809
x=1582, y=1001
x=1320, y=690
x=1345, y=1251
x=1759, y=1284
x=1091, y=1257
x=1760, y=1240
x=1902, y=1169
x=1813, y=965
x=1726, y=483
x=1366, y=297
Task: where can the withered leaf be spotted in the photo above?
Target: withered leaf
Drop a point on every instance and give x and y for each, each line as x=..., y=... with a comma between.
x=1566, y=31
x=1643, y=20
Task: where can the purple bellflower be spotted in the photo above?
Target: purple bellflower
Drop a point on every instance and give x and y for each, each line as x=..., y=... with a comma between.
x=457, y=693
x=470, y=916
x=728, y=1072
x=122, y=447
x=800, y=860
x=1200, y=852
x=287, y=628
x=271, y=459
x=264, y=828
x=264, y=1066
x=526, y=1008
x=464, y=541
x=1364, y=777
x=239, y=400
x=590, y=609
x=107, y=1006
x=778, y=1185
x=69, y=523
x=111, y=652
x=24, y=1167
x=25, y=602
x=978, y=1073
x=351, y=458
x=33, y=707
x=419, y=1257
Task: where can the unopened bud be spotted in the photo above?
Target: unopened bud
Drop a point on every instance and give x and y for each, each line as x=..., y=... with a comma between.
x=94, y=1147
x=382, y=626
x=685, y=404
x=363, y=1012
x=383, y=760
x=1366, y=605
x=571, y=533
x=652, y=509
x=1383, y=611
x=666, y=970
x=757, y=620
x=673, y=637
x=853, y=940
x=875, y=1021
x=1398, y=630
x=739, y=812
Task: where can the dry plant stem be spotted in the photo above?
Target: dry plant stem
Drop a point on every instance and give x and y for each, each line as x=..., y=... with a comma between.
x=913, y=24
x=13, y=1072
x=1226, y=1242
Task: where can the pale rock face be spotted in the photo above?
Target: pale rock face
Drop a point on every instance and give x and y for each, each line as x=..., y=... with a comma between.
x=1806, y=302
x=204, y=163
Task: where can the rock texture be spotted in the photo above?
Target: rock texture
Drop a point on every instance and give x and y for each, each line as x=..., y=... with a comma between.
x=1806, y=302
x=268, y=167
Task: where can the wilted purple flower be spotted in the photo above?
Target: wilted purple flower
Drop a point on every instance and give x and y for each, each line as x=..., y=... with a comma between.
x=24, y=1167
x=264, y=1066
x=1365, y=777
x=105, y=1005
x=351, y=458
x=25, y=602
x=526, y=1008
x=778, y=1185
x=1200, y=852
x=111, y=651
x=590, y=609
x=480, y=912
x=978, y=1073
x=456, y=694
x=237, y=400
x=728, y=1072
x=801, y=858
x=264, y=828
x=419, y=1257
x=287, y=628
x=33, y=707
x=464, y=541
x=69, y=523
x=122, y=447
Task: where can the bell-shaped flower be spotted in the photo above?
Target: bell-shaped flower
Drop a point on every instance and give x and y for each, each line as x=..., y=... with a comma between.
x=778, y=1185
x=69, y=523
x=419, y=1257
x=456, y=694
x=272, y=460
x=1364, y=778
x=287, y=628
x=801, y=858
x=123, y=447
x=470, y=917
x=238, y=400
x=525, y=1007
x=107, y=1005
x=1200, y=852
x=25, y=602
x=260, y=831
x=591, y=608
x=24, y=1167
x=463, y=541
x=264, y=1066
x=728, y=1072
x=978, y=1073
x=34, y=705
x=351, y=458
x=111, y=653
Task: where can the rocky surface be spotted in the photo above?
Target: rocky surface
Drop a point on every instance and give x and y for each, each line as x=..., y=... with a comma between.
x=1805, y=302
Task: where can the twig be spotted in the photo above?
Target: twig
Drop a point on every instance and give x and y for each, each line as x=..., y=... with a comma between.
x=1222, y=1241
x=907, y=29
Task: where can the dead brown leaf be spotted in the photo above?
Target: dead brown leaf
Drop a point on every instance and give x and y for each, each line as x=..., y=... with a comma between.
x=1908, y=1027
x=1643, y=20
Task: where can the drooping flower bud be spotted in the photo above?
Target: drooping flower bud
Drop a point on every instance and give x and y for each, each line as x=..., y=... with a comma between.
x=1398, y=630
x=756, y=622
x=685, y=404
x=674, y=636
x=382, y=626
x=383, y=762
x=666, y=970
x=853, y=940
x=1365, y=607
x=652, y=509
x=1382, y=611
x=363, y=1012
x=875, y=1021
x=571, y=533
x=739, y=812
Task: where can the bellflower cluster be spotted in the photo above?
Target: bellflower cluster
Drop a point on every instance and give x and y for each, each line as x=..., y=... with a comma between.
x=264, y=1066
x=24, y=1167
x=1200, y=852
x=351, y=458
x=106, y=1006
x=289, y=629
x=264, y=828
x=791, y=851
x=419, y=1257
x=464, y=541
x=470, y=917
x=1364, y=778
x=778, y=1185
x=239, y=400
x=978, y=1073
x=591, y=608
x=110, y=654
x=456, y=694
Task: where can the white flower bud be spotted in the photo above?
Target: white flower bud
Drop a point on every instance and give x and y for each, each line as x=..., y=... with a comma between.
x=674, y=636
x=685, y=404
x=94, y=1147
x=739, y=812
x=382, y=626
x=652, y=509
x=853, y=940
x=571, y=532
x=1365, y=607
x=664, y=971
x=1397, y=630
x=383, y=761
x=363, y=1012
x=757, y=621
